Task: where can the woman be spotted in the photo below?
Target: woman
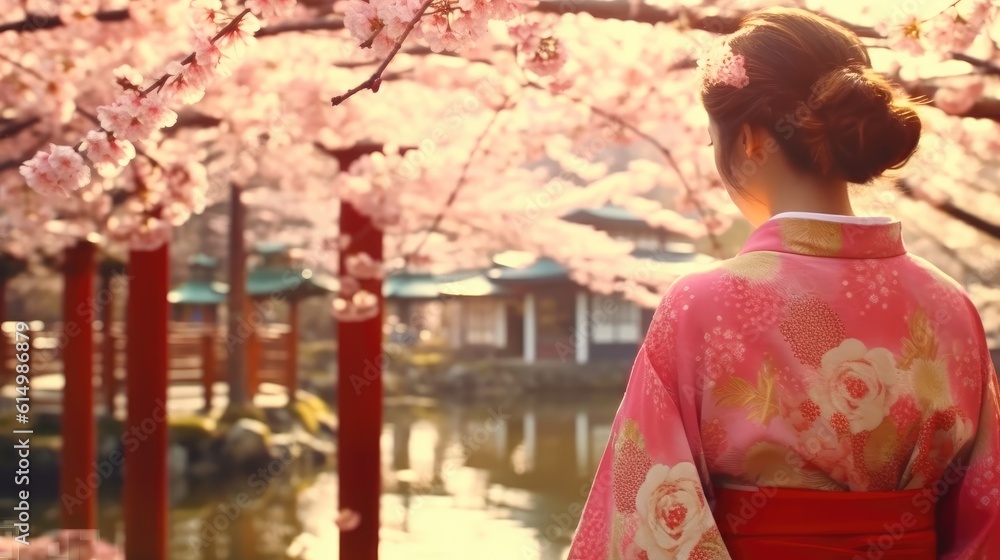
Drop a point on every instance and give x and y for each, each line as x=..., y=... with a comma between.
x=824, y=394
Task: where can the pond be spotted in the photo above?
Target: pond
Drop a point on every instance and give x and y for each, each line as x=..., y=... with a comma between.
x=501, y=479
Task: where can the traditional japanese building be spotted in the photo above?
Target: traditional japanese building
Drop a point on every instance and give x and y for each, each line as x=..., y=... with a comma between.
x=533, y=311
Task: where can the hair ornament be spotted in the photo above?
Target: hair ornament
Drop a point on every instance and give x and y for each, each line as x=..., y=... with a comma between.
x=720, y=66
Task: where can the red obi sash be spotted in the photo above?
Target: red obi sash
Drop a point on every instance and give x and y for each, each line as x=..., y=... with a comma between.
x=789, y=523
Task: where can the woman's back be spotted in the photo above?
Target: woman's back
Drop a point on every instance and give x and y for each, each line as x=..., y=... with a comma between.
x=823, y=395
x=823, y=357
x=830, y=359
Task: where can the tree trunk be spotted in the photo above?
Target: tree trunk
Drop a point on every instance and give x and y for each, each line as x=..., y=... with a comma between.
x=235, y=338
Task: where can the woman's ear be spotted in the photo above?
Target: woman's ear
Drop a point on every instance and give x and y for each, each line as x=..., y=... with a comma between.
x=750, y=141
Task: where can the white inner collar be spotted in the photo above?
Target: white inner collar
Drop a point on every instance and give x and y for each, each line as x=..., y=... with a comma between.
x=863, y=220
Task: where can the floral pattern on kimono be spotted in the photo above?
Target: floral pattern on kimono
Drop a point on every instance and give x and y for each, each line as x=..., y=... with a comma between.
x=823, y=357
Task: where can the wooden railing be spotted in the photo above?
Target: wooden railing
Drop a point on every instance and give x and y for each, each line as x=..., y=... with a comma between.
x=197, y=354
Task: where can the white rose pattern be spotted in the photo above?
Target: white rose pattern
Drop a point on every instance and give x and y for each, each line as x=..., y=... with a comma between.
x=672, y=512
x=858, y=383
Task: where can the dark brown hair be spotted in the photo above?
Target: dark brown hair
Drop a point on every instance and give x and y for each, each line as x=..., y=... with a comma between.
x=813, y=88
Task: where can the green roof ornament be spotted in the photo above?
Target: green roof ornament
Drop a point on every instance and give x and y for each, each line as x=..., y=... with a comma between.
x=201, y=287
x=203, y=261
x=276, y=273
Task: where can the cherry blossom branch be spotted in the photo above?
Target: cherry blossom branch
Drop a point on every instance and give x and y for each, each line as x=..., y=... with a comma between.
x=945, y=9
x=665, y=151
x=24, y=68
x=16, y=162
x=17, y=127
x=39, y=22
x=93, y=118
x=461, y=180
x=988, y=68
x=953, y=211
x=159, y=83
x=375, y=79
x=298, y=26
x=644, y=13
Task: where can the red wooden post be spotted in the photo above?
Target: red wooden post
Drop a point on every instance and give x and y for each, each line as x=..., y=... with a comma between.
x=79, y=438
x=208, y=362
x=4, y=341
x=292, y=360
x=359, y=400
x=253, y=350
x=145, y=484
x=108, y=382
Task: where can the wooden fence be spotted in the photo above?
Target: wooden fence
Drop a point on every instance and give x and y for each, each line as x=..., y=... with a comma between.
x=197, y=354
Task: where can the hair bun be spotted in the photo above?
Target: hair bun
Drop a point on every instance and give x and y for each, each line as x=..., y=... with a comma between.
x=856, y=127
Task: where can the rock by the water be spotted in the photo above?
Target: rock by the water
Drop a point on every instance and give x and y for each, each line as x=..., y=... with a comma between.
x=246, y=442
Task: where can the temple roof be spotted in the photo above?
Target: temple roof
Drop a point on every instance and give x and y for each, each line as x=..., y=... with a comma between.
x=605, y=214
x=542, y=269
x=264, y=281
x=411, y=286
x=203, y=260
x=199, y=292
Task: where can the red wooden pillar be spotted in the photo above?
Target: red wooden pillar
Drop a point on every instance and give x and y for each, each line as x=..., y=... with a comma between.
x=253, y=350
x=79, y=438
x=145, y=485
x=4, y=341
x=208, y=361
x=292, y=360
x=109, y=384
x=359, y=399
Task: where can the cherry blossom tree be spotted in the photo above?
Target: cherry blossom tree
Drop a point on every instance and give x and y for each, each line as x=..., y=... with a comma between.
x=495, y=119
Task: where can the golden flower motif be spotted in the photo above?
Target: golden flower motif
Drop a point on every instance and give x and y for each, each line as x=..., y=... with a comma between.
x=930, y=383
x=760, y=401
x=811, y=237
x=756, y=266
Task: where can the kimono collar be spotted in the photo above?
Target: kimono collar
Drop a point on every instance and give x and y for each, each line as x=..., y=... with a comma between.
x=817, y=235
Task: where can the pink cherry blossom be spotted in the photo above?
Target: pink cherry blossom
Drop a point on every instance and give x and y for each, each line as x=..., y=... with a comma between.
x=152, y=111
x=237, y=39
x=904, y=35
x=542, y=54
x=59, y=171
x=73, y=543
x=187, y=83
x=348, y=520
x=120, y=117
x=950, y=31
x=185, y=192
x=365, y=19
x=721, y=66
x=207, y=14
x=129, y=74
x=137, y=231
x=361, y=265
x=268, y=8
x=134, y=117
x=362, y=306
x=957, y=99
x=107, y=153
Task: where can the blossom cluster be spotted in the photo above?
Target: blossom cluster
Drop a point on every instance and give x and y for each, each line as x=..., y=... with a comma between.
x=137, y=113
x=445, y=26
x=721, y=66
x=953, y=30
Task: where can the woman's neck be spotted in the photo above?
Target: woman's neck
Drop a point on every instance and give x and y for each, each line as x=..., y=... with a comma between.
x=810, y=195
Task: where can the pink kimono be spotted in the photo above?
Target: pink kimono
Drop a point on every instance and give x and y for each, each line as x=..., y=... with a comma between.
x=821, y=364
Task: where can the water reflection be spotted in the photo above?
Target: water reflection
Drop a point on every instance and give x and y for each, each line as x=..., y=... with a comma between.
x=484, y=480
